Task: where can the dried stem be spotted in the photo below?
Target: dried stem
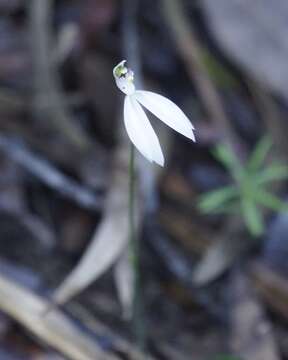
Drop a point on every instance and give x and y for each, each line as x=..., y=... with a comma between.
x=271, y=115
x=49, y=102
x=190, y=51
x=49, y=175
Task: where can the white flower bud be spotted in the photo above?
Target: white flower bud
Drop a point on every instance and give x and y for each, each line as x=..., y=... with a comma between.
x=124, y=78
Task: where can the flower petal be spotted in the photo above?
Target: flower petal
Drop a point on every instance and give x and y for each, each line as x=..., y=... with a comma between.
x=166, y=111
x=141, y=132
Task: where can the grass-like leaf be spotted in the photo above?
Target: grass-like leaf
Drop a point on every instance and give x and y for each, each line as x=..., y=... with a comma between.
x=270, y=201
x=259, y=154
x=231, y=207
x=227, y=157
x=252, y=216
x=226, y=357
x=274, y=172
x=214, y=199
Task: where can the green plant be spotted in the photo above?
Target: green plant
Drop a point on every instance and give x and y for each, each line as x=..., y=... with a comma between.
x=248, y=193
x=226, y=357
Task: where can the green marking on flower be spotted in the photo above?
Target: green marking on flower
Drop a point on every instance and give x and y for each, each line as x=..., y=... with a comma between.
x=120, y=69
x=124, y=78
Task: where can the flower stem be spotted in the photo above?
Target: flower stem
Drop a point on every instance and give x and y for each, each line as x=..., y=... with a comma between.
x=133, y=243
x=137, y=321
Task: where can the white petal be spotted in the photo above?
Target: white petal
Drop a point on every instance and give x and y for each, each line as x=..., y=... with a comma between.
x=166, y=111
x=126, y=86
x=141, y=132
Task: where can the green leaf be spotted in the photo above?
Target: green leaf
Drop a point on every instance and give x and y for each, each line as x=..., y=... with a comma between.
x=212, y=200
x=252, y=216
x=231, y=207
x=259, y=154
x=270, y=201
x=274, y=172
x=227, y=157
x=226, y=357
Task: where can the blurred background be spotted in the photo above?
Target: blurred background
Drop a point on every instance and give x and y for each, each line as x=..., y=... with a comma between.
x=212, y=226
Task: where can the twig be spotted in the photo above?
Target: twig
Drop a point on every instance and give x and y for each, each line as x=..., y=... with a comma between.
x=49, y=175
x=55, y=329
x=190, y=50
x=118, y=344
x=48, y=94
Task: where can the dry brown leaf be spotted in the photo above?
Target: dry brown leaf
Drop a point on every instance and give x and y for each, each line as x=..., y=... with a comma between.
x=110, y=237
x=222, y=253
x=218, y=258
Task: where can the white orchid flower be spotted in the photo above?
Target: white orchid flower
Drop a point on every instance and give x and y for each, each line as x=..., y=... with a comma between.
x=136, y=122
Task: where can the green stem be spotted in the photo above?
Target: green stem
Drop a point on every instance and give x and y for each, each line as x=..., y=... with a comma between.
x=132, y=236
x=137, y=323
